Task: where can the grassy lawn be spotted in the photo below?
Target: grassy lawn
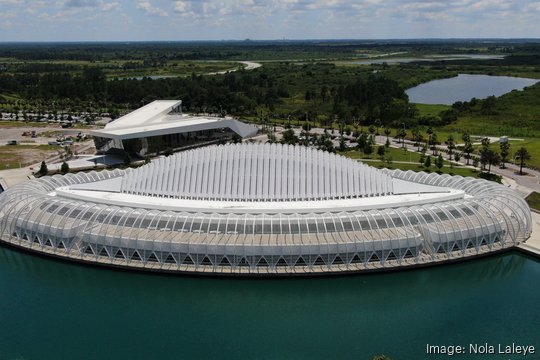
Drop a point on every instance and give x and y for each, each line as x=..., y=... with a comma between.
x=29, y=147
x=15, y=124
x=396, y=154
x=532, y=145
x=8, y=163
x=9, y=97
x=431, y=110
x=516, y=114
x=400, y=155
x=491, y=126
x=456, y=170
x=9, y=158
x=533, y=200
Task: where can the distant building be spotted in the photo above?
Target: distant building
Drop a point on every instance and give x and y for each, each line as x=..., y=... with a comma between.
x=161, y=125
x=503, y=139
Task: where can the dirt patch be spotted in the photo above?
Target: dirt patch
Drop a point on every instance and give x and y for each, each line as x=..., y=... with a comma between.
x=17, y=155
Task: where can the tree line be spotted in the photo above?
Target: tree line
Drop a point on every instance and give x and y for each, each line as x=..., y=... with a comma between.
x=330, y=95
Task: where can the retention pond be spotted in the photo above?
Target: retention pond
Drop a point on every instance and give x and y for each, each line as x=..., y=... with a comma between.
x=464, y=87
x=57, y=310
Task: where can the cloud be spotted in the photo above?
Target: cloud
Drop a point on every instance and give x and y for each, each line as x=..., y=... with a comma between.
x=110, y=6
x=268, y=19
x=181, y=7
x=101, y=4
x=81, y=3
x=150, y=9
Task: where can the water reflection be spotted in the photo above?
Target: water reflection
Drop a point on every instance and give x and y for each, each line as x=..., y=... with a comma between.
x=464, y=87
x=53, y=275
x=46, y=302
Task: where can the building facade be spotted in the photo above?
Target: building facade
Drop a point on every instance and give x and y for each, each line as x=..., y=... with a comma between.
x=161, y=126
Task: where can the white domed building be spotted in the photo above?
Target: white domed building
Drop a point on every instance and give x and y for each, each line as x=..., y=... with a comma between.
x=261, y=209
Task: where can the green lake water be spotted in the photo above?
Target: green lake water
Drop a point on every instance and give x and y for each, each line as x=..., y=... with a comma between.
x=57, y=310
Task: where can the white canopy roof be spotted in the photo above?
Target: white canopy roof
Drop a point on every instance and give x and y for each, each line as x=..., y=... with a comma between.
x=160, y=118
x=257, y=178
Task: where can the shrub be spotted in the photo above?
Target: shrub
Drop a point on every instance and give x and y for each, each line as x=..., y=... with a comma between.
x=64, y=169
x=43, y=170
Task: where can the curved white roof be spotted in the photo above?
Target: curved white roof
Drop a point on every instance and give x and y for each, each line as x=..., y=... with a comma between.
x=258, y=178
x=161, y=118
x=257, y=172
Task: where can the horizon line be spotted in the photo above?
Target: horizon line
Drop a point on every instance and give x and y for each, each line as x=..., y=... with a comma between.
x=274, y=40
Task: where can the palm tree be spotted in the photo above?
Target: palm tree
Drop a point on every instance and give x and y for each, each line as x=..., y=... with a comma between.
x=523, y=155
x=262, y=114
x=387, y=132
x=402, y=134
x=468, y=149
x=451, y=146
x=439, y=162
x=466, y=137
x=419, y=140
x=433, y=141
x=505, y=151
x=416, y=134
x=377, y=125
x=492, y=158
x=429, y=132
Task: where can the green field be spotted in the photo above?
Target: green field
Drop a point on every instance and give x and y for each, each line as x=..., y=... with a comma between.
x=13, y=156
x=534, y=200
x=461, y=171
x=516, y=114
x=396, y=154
x=122, y=68
x=431, y=110
x=177, y=68
x=407, y=160
x=9, y=97
x=16, y=124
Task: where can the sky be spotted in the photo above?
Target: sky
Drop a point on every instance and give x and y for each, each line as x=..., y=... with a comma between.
x=168, y=20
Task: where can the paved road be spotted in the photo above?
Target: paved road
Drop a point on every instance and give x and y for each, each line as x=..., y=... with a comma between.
x=248, y=65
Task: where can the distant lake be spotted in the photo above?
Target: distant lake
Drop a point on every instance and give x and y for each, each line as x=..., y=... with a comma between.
x=400, y=60
x=153, y=77
x=464, y=87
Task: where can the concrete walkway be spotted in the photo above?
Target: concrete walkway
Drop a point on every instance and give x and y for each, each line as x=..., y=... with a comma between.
x=532, y=245
x=11, y=177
